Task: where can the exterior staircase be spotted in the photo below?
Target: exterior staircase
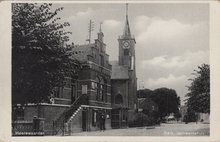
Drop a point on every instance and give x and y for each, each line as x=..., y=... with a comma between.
x=61, y=124
x=73, y=115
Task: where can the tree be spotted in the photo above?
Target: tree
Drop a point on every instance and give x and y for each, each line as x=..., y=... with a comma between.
x=40, y=57
x=166, y=99
x=199, y=90
x=145, y=93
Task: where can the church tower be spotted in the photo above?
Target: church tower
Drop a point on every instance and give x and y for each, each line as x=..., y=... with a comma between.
x=127, y=59
x=127, y=46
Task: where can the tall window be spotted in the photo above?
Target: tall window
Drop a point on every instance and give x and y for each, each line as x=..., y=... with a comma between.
x=101, y=95
x=105, y=93
x=97, y=84
x=118, y=99
x=100, y=89
x=126, y=52
x=105, y=90
x=94, y=117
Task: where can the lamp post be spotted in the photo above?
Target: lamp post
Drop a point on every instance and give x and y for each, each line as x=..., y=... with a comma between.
x=167, y=105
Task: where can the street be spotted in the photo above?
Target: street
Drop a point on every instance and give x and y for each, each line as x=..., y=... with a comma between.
x=171, y=129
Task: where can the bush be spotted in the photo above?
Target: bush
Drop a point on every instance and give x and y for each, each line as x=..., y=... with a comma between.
x=141, y=120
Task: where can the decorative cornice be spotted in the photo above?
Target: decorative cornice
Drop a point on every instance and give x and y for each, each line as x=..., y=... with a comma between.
x=88, y=106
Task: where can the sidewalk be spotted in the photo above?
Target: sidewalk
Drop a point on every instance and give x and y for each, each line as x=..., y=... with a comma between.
x=178, y=129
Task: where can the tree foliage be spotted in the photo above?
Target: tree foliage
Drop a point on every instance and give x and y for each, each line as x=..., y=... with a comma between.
x=166, y=99
x=144, y=93
x=199, y=90
x=40, y=57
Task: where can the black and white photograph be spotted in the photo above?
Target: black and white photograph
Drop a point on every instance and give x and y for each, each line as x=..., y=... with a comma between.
x=109, y=71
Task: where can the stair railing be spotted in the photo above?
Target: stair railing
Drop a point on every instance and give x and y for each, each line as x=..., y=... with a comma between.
x=59, y=124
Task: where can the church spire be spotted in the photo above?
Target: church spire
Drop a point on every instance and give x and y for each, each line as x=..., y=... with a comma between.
x=127, y=32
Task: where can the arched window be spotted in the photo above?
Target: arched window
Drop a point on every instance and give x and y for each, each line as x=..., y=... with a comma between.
x=126, y=52
x=101, y=94
x=118, y=99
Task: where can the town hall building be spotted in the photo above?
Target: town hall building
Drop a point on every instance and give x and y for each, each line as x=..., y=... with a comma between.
x=102, y=88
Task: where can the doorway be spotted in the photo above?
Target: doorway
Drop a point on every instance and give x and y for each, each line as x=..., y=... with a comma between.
x=84, y=120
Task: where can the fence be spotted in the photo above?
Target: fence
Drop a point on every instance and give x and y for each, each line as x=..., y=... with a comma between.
x=28, y=128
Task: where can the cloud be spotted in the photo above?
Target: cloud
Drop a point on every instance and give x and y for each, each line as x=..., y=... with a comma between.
x=111, y=29
x=156, y=36
x=181, y=61
x=168, y=81
x=161, y=30
x=81, y=14
x=84, y=13
x=111, y=23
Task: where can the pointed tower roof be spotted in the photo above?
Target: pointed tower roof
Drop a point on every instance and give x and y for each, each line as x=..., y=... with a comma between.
x=127, y=32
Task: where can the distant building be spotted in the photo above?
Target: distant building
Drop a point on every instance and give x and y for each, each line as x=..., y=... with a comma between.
x=200, y=117
x=183, y=112
x=204, y=117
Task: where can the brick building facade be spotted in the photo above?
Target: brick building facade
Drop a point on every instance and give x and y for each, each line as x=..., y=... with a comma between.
x=94, y=81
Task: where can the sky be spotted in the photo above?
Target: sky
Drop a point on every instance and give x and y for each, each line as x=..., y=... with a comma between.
x=172, y=39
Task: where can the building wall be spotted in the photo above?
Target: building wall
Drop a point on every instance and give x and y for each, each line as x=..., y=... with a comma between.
x=30, y=112
x=120, y=87
x=93, y=120
x=204, y=117
x=76, y=125
x=48, y=112
x=132, y=96
x=88, y=77
x=183, y=111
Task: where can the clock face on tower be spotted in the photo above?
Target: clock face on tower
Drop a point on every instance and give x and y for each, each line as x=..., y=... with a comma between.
x=126, y=44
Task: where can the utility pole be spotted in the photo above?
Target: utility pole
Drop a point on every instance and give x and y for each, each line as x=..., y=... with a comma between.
x=167, y=105
x=90, y=29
